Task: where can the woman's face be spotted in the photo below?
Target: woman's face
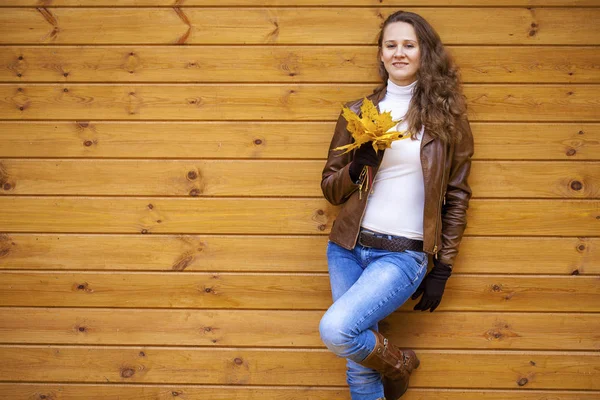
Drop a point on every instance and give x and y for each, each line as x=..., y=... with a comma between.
x=400, y=53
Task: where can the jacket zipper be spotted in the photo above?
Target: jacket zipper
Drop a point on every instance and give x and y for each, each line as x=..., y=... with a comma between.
x=364, y=209
x=441, y=203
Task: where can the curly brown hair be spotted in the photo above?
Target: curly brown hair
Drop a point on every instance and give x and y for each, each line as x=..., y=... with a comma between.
x=438, y=102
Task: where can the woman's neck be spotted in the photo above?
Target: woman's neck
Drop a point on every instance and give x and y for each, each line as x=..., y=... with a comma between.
x=394, y=90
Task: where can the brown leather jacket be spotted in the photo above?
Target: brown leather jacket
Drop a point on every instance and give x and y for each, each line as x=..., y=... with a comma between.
x=447, y=193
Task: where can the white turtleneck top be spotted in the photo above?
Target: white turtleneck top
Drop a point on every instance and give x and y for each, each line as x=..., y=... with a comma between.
x=396, y=205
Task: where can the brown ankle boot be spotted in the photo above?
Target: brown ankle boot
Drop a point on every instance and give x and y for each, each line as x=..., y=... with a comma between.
x=396, y=366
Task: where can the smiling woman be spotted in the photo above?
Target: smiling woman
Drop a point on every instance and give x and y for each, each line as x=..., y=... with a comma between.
x=378, y=250
x=400, y=53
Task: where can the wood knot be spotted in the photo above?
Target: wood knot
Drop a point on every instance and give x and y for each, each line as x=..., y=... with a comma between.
x=84, y=287
x=127, y=372
x=195, y=192
x=66, y=74
x=571, y=152
x=581, y=247
x=65, y=90
x=192, y=175
x=7, y=186
x=575, y=272
x=150, y=206
x=322, y=227
x=522, y=381
x=497, y=288
x=238, y=361
x=207, y=329
x=174, y=394
x=144, y=231
x=142, y=354
x=580, y=133
x=532, y=363
x=320, y=212
x=576, y=185
x=88, y=143
x=208, y=290
x=258, y=142
x=81, y=329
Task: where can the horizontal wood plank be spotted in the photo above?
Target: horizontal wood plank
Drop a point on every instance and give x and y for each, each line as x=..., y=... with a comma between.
x=27, y=391
x=291, y=25
x=269, y=178
x=50, y=214
x=292, y=64
x=457, y=330
x=287, y=367
x=280, y=291
x=515, y=179
x=196, y=3
x=499, y=255
x=307, y=102
x=241, y=140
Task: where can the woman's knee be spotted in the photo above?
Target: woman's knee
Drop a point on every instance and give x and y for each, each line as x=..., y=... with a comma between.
x=334, y=334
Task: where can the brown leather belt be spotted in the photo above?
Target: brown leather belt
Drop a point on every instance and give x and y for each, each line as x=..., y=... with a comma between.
x=388, y=242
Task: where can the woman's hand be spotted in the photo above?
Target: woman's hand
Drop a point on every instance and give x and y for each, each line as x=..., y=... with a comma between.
x=364, y=155
x=432, y=287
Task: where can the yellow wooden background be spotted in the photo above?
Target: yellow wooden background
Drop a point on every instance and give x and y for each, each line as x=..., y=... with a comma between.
x=162, y=227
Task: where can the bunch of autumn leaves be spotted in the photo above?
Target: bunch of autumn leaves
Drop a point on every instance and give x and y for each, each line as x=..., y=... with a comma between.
x=371, y=126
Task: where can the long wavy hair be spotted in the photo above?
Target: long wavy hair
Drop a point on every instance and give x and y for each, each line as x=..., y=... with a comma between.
x=438, y=102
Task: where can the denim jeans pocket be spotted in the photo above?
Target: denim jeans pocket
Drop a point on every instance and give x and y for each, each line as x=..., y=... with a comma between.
x=420, y=265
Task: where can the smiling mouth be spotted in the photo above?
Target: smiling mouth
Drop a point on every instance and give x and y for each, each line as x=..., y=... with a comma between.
x=399, y=64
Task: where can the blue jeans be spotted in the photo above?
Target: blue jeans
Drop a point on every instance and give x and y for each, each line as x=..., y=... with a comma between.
x=367, y=285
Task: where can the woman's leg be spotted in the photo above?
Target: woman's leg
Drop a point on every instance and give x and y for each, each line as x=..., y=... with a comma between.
x=345, y=267
x=368, y=284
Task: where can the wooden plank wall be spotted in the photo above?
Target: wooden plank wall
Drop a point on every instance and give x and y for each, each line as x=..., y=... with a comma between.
x=162, y=226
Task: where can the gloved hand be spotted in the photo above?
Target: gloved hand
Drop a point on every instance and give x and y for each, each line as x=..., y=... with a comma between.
x=432, y=287
x=364, y=155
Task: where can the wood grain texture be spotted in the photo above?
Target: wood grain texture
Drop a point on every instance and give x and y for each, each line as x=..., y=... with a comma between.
x=264, y=140
x=217, y=328
x=149, y=250
x=539, y=370
x=269, y=178
x=176, y=25
x=270, y=216
x=281, y=291
x=27, y=391
x=289, y=64
x=196, y=3
x=481, y=255
x=307, y=102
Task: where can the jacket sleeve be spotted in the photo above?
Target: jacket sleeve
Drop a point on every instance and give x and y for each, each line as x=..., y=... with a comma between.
x=458, y=194
x=336, y=183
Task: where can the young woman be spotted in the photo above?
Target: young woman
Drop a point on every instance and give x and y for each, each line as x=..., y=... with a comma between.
x=379, y=244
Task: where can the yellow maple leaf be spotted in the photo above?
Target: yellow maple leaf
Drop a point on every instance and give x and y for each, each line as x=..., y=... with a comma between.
x=372, y=126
